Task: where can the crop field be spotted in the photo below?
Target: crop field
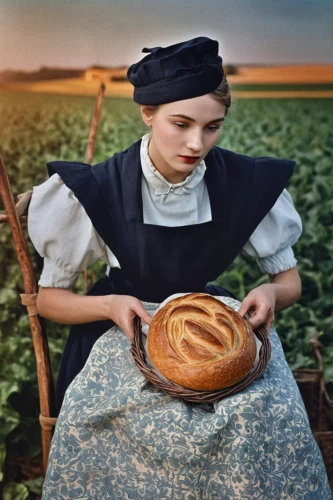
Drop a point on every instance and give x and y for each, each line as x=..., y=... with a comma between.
x=37, y=128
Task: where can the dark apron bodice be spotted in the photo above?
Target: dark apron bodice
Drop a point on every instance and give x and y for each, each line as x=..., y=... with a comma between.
x=158, y=261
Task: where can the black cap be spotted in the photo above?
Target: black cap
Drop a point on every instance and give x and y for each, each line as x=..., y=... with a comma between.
x=181, y=71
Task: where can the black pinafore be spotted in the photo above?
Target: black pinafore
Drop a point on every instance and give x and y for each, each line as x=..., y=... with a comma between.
x=158, y=261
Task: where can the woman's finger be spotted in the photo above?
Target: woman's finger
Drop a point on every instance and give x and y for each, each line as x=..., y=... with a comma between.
x=265, y=321
x=141, y=311
x=245, y=306
x=267, y=326
x=269, y=323
x=257, y=321
x=128, y=329
x=129, y=334
x=262, y=315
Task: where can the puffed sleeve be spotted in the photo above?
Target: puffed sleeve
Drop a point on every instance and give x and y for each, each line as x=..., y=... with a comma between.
x=63, y=234
x=271, y=243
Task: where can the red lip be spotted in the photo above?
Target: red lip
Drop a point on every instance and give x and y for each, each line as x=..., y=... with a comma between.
x=192, y=157
x=189, y=159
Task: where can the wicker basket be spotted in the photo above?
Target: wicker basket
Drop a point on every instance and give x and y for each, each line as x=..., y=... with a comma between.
x=177, y=391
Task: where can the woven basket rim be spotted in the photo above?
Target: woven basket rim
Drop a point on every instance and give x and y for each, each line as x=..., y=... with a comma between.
x=190, y=395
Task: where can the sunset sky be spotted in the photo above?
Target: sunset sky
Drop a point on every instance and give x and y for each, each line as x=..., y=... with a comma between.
x=79, y=33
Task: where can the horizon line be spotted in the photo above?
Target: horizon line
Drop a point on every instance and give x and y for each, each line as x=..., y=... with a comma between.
x=122, y=66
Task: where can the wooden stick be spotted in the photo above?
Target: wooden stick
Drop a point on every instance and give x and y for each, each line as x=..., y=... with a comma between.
x=94, y=125
x=39, y=337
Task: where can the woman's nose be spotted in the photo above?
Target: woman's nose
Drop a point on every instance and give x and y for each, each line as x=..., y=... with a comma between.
x=195, y=141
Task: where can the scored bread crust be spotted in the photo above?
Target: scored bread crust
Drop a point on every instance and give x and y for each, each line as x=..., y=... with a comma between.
x=200, y=343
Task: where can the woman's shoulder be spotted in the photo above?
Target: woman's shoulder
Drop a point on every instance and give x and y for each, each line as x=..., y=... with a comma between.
x=255, y=172
x=53, y=200
x=73, y=173
x=232, y=157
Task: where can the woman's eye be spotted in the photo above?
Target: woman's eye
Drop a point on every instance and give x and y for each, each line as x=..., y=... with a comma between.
x=211, y=128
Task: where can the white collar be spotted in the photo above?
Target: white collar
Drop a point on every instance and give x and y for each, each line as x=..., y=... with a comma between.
x=159, y=183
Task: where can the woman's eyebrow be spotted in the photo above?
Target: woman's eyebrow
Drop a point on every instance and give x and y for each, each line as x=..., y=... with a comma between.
x=192, y=120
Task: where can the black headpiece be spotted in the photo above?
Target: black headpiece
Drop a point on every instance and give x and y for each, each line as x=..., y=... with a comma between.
x=181, y=71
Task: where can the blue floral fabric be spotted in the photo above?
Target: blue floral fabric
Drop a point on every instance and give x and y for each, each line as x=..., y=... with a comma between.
x=118, y=437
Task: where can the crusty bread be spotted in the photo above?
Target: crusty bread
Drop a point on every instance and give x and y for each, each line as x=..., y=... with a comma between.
x=200, y=343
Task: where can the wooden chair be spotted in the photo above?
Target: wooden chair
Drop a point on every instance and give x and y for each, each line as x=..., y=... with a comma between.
x=16, y=218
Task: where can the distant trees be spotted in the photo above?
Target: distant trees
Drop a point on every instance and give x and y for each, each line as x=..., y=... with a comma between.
x=44, y=73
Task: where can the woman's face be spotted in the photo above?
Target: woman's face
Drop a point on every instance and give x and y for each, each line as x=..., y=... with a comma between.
x=183, y=132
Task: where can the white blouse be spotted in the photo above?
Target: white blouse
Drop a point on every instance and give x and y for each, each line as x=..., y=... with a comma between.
x=63, y=234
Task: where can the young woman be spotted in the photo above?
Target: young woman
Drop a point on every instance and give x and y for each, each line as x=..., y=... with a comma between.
x=169, y=215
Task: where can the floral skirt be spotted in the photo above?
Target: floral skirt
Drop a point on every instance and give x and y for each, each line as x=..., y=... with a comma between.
x=118, y=437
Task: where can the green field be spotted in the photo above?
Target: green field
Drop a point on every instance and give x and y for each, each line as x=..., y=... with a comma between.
x=35, y=129
x=282, y=86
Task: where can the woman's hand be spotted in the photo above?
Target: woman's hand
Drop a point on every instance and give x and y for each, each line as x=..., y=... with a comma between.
x=64, y=306
x=122, y=309
x=260, y=306
x=283, y=290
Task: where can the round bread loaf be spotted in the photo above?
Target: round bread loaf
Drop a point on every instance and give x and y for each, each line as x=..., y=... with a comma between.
x=200, y=343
